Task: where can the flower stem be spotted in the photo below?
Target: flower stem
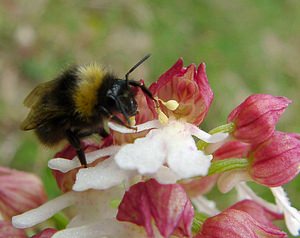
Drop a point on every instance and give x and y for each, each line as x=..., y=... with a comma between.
x=227, y=128
x=115, y=203
x=199, y=219
x=221, y=166
x=61, y=220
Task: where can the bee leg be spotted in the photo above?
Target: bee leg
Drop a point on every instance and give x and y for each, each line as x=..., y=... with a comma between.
x=143, y=87
x=116, y=119
x=75, y=142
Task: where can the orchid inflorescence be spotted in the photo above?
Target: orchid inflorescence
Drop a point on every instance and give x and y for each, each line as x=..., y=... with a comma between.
x=151, y=181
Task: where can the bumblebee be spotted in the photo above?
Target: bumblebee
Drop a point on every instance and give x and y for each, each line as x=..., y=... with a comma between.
x=77, y=104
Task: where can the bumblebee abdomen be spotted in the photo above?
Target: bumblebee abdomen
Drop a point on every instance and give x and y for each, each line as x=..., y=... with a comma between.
x=52, y=132
x=50, y=136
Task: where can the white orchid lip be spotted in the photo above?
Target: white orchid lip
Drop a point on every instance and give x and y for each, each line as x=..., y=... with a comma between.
x=291, y=214
x=65, y=165
x=45, y=211
x=103, y=176
x=171, y=144
x=138, y=128
x=245, y=192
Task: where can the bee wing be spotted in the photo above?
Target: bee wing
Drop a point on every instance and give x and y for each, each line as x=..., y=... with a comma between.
x=38, y=92
x=40, y=115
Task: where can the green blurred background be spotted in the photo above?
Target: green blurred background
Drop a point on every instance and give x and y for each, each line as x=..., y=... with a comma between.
x=249, y=46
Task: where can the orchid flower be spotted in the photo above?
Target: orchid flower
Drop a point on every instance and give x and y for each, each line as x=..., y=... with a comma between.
x=168, y=146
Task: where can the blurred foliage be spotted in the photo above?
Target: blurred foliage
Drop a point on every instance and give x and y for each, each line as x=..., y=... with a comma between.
x=249, y=46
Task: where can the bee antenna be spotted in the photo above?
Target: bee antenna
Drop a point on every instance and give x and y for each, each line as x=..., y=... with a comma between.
x=135, y=66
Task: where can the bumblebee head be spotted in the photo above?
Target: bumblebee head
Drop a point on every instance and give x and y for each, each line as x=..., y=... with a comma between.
x=121, y=98
x=120, y=94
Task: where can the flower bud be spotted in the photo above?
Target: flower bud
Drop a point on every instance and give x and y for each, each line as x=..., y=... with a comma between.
x=237, y=224
x=276, y=161
x=19, y=192
x=187, y=86
x=261, y=214
x=256, y=117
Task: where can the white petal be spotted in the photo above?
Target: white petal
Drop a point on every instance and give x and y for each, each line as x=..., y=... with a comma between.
x=165, y=175
x=229, y=179
x=291, y=214
x=194, y=130
x=245, y=192
x=65, y=165
x=101, y=229
x=104, y=175
x=202, y=204
x=45, y=211
x=107, y=151
x=145, y=155
x=141, y=127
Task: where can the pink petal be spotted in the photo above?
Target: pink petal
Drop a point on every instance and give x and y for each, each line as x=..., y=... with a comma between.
x=188, y=86
x=168, y=205
x=19, y=192
x=206, y=92
x=7, y=230
x=135, y=207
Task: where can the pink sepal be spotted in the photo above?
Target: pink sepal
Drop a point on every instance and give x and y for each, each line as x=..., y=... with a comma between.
x=168, y=205
x=256, y=117
x=7, y=230
x=189, y=87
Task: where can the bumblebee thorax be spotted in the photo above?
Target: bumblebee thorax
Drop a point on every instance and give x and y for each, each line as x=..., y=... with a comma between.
x=85, y=97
